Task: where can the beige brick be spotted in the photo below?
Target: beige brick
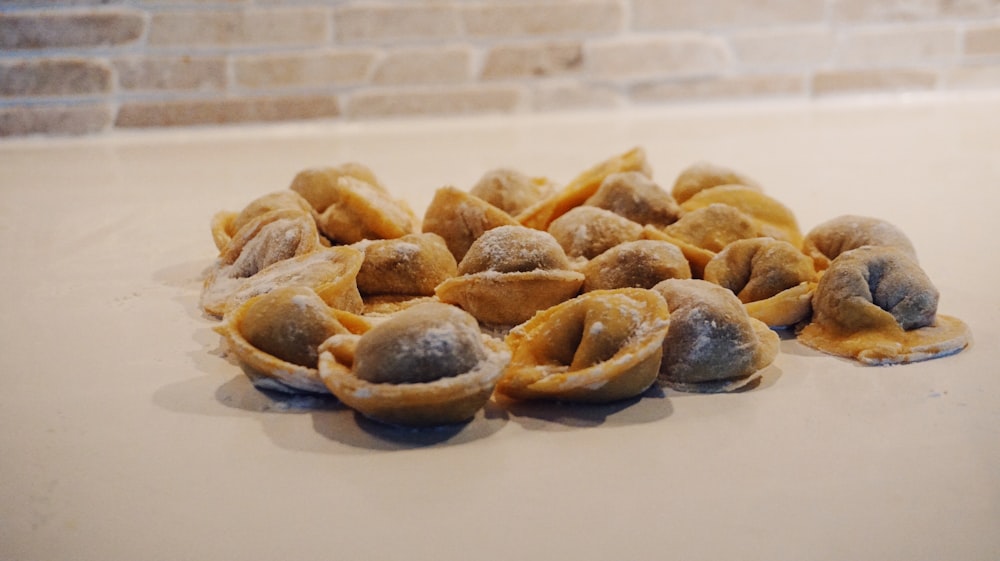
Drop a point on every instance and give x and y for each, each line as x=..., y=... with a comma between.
x=245, y=27
x=354, y=24
x=867, y=47
x=533, y=60
x=435, y=101
x=53, y=77
x=337, y=68
x=970, y=8
x=860, y=81
x=984, y=76
x=983, y=41
x=424, y=66
x=679, y=55
x=51, y=30
x=663, y=14
x=783, y=48
x=503, y=19
x=747, y=86
x=54, y=120
x=171, y=73
x=574, y=96
x=224, y=111
x=884, y=10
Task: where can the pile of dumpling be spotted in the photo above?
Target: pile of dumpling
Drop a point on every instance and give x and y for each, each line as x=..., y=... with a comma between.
x=518, y=289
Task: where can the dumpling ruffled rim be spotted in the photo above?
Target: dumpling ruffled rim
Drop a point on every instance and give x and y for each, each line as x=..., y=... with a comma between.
x=448, y=400
x=786, y=308
x=509, y=298
x=946, y=336
x=634, y=366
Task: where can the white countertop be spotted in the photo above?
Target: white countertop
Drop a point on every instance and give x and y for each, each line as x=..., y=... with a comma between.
x=125, y=434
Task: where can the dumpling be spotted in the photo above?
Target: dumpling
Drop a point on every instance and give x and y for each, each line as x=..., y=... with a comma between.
x=510, y=190
x=876, y=305
x=581, y=188
x=319, y=187
x=705, y=175
x=771, y=277
x=411, y=265
x=773, y=218
x=636, y=264
x=360, y=211
x=226, y=224
x=460, y=218
x=588, y=231
x=267, y=239
x=426, y=365
x=844, y=233
x=635, y=196
x=704, y=232
x=276, y=337
x=712, y=345
x=510, y=273
x=599, y=347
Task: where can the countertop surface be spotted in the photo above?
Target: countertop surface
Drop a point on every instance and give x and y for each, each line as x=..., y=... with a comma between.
x=126, y=433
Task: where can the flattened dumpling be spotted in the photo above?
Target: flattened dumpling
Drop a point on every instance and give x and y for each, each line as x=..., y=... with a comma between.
x=637, y=264
x=712, y=345
x=599, y=347
x=844, y=233
x=773, y=218
x=276, y=337
x=635, y=196
x=426, y=365
x=771, y=277
x=510, y=273
x=876, y=305
x=705, y=175
x=460, y=218
x=510, y=190
x=588, y=231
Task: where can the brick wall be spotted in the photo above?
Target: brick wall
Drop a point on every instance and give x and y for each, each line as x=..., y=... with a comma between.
x=87, y=66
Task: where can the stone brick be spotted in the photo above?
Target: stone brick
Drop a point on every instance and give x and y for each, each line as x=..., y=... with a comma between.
x=660, y=14
x=983, y=40
x=574, y=96
x=224, y=111
x=533, y=60
x=867, y=47
x=424, y=66
x=783, y=48
x=356, y=24
x=862, y=81
x=54, y=120
x=247, y=27
x=981, y=76
x=171, y=73
x=435, y=101
x=53, y=77
x=501, y=19
x=758, y=86
x=884, y=10
x=51, y=30
x=678, y=55
x=303, y=70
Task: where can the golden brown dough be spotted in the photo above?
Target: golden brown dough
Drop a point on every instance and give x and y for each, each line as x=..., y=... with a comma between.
x=844, y=233
x=510, y=190
x=635, y=196
x=599, y=347
x=411, y=265
x=705, y=175
x=702, y=233
x=773, y=219
x=426, y=365
x=360, y=211
x=510, y=273
x=876, y=305
x=275, y=336
x=773, y=278
x=636, y=264
x=226, y=224
x=581, y=188
x=712, y=345
x=460, y=218
x=319, y=187
x=588, y=231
